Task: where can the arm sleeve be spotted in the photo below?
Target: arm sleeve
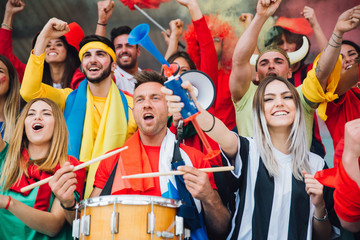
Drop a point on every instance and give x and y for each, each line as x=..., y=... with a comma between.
x=208, y=57
x=80, y=177
x=32, y=87
x=6, y=49
x=346, y=196
x=313, y=91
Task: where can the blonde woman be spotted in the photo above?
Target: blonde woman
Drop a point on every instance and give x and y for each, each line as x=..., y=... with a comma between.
x=37, y=150
x=9, y=98
x=276, y=194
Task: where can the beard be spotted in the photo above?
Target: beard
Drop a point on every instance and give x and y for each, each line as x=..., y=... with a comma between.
x=129, y=65
x=102, y=76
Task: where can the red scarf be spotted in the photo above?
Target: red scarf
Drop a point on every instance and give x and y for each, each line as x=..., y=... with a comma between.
x=132, y=161
x=42, y=201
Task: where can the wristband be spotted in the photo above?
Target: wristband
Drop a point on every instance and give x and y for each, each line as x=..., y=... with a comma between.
x=8, y=203
x=4, y=24
x=72, y=208
x=323, y=219
x=102, y=24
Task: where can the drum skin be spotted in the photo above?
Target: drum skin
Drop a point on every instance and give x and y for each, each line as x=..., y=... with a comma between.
x=133, y=211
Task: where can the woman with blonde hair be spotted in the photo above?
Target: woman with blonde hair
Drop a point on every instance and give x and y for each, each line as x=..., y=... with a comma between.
x=36, y=151
x=276, y=194
x=9, y=98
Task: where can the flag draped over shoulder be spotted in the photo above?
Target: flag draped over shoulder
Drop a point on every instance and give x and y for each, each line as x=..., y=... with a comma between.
x=112, y=130
x=171, y=186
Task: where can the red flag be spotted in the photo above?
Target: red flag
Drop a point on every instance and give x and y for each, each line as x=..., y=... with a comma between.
x=143, y=3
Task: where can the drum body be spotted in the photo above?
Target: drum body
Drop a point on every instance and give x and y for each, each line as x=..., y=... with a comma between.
x=129, y=217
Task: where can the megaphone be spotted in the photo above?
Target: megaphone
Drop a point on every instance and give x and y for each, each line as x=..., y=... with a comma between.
x=204, y=87
x=140, y=35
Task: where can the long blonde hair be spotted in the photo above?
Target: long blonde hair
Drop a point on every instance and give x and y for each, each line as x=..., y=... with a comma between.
x=14, y=165
x=12, y=101
x=297, y=137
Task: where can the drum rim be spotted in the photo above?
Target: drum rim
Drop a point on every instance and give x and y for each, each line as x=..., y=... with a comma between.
x=129, y=200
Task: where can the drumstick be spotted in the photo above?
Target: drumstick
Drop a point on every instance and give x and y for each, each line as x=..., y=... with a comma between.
x=78, y=167
x=158, y=174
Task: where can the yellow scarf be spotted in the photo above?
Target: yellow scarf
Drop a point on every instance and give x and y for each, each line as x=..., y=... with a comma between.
x=111, y=132
x=313, y=91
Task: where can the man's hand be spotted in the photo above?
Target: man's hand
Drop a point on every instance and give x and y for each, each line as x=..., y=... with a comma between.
x=309, y=14
x=245, y=19
x=197, y=183
x=175, y=31
x=267, y=7
x=105, y=10
x=63, y=185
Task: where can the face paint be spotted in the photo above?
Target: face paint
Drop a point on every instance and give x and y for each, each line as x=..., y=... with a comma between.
x=2, y=79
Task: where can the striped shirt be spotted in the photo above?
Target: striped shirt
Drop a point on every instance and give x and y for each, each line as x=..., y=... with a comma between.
x=270, y=207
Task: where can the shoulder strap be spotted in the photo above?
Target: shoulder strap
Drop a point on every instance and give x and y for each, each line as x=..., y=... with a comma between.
x=109, y=183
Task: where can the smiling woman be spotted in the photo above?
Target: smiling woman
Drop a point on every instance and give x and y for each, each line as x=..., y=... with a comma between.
x=273, y=178
x=60, y=68
x=37, y=150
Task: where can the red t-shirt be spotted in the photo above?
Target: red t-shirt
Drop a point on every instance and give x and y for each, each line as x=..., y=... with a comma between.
x=342, y=110
x=106, y=166
x=347, y=192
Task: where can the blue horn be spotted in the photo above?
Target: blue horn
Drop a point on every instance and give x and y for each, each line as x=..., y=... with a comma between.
x=140, y=35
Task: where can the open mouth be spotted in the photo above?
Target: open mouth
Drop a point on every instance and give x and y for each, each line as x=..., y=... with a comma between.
x=125, y=57
x=148, y=116
x=280, y=113
x=94, y=69
x=52, y=54
x=271, y=74
x=37, y=126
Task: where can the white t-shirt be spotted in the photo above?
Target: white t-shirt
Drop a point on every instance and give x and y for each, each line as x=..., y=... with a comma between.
x=124, y=81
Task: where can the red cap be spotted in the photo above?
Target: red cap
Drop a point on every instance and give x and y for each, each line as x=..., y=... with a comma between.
x=295, y=25
x=75, y=35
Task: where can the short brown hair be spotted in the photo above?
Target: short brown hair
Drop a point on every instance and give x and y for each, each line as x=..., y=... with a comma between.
x=146, y=76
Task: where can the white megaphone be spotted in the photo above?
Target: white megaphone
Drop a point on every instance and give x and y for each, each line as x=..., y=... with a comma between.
x=204, y=87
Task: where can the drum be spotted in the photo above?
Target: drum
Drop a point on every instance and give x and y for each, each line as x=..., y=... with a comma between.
x=128, y=217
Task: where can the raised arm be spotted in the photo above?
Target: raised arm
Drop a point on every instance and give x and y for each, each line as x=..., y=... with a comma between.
x=351, y=152
x=309, y=14
x=175, y=32
x=105, y=10
x=347, y=21
x=240, y=77
x=32, y=87
x=12, y=8
x=350, y=163
x=216, y=129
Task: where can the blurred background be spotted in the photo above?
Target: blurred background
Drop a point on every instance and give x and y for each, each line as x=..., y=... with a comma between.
x=84, y=12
